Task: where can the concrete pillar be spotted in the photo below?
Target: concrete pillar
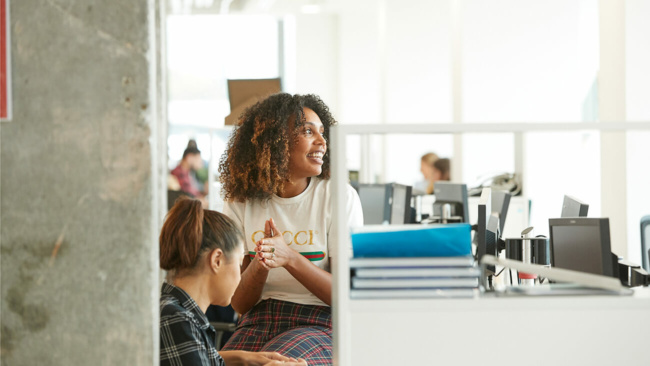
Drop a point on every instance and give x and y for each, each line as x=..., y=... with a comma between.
x=81, y=184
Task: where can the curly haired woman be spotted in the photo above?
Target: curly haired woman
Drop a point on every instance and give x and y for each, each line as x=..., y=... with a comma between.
x=275, y=176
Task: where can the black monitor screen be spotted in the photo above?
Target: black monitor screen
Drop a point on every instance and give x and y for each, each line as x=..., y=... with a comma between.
x=484, y=209
x=581, y=244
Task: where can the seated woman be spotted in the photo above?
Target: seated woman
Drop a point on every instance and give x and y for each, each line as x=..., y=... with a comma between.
x=426, y=167
x=202, y=250
x=441, y=170
x=275, y=175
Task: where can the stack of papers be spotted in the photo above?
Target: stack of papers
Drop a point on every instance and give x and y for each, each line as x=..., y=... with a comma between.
x=427, y=277
x=413, y=261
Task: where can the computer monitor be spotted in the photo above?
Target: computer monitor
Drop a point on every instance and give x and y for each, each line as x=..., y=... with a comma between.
x=572, y=207
x=453, y=194
x=374, y=203
x=581, y=244
x=491, y=239
x=500, y=205
x=385, y=203
x=481, y=235
x=400, y=204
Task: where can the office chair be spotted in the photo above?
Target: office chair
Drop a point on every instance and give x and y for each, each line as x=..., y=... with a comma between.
x=224, y=321
x=645, y=242
x=222, y=329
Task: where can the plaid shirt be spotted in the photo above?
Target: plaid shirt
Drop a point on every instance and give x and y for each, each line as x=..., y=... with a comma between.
x=186, y=336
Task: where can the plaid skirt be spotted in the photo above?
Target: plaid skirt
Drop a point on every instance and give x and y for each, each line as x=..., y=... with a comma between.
x=293, y=330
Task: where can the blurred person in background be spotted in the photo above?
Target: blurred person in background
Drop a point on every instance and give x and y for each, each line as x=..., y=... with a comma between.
x=200, y=174
x=426, y=167
x=441, y=171
x=184, y=171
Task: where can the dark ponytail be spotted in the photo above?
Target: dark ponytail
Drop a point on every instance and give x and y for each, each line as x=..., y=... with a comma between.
x=189, y=230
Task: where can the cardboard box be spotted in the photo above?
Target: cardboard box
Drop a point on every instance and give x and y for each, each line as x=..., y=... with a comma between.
x=244, y=93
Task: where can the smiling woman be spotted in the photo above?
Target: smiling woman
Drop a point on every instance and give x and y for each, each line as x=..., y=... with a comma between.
x=275, y=175
x=272, y=144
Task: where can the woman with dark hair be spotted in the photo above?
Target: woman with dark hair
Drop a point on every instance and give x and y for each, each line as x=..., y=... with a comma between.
x=275, y=175
x=202, y=250
x=441, y=170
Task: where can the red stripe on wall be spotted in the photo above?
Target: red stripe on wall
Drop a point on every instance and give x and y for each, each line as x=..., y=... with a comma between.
x=3, y=59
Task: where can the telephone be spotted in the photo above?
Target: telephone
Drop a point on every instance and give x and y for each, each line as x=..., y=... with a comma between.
x=509, y=182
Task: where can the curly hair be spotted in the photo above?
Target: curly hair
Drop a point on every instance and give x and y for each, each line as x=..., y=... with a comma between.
x=256, y=162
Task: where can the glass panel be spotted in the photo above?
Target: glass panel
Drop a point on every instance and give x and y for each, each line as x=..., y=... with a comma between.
x=220, y=139
x=353, y=153
x=418, y=60
x=487, y=154
x=557, y=164
x=638, y=189
x=404, y=153
x=203, y=51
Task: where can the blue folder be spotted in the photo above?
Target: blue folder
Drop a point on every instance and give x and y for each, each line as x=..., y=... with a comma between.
x=448, y=240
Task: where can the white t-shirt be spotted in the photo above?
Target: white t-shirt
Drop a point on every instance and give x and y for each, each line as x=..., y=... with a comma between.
x=306, y=224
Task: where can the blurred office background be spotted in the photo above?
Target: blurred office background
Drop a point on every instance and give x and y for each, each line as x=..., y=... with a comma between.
x=392, y=62
x=107, y=94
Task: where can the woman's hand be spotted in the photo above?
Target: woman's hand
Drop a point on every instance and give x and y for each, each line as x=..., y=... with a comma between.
x=278, y=359
x=244, y=358
x=272, y=251
x=299, y=362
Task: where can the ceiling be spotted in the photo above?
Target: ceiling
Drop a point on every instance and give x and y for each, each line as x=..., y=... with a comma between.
x=249, y=6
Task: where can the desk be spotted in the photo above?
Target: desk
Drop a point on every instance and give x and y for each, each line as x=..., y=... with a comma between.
x=587, y=330
x=484, y=331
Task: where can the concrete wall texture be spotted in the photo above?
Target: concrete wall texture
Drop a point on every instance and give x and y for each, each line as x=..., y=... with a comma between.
x=77, y=175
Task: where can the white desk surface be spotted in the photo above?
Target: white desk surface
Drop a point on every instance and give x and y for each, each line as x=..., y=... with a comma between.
x=583, y=330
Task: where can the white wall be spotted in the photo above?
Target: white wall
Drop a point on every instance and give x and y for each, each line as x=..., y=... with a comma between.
x=316, y=55
x=528, y=61
x=418, y=56
x=358, y=63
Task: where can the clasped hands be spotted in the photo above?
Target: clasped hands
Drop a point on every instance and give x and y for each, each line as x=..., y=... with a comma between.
x=272, y=251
